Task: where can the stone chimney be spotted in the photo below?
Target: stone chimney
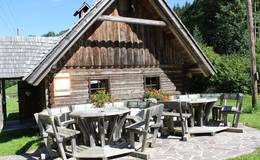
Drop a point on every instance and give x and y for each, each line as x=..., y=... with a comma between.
x=82, y=10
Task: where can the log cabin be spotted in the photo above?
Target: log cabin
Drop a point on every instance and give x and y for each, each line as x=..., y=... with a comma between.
x=120, y=46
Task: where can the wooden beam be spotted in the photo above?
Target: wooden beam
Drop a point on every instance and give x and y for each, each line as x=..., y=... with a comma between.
x=4, y=100
x=132, y=20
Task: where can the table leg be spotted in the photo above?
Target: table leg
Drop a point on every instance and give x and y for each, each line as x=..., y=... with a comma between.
x=101, y=129
x=88, y=128
x=191, y=110
x=113, y=128
x=120, y=126
x=201, y=116
x=208, y=108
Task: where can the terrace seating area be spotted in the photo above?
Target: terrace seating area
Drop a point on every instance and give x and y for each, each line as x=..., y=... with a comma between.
x=133, y=128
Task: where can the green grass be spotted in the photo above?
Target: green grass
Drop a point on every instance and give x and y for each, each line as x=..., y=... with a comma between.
x=249, y=116
x=11, y=90
x=12, y=103
x=17, y=142
x=252, y=156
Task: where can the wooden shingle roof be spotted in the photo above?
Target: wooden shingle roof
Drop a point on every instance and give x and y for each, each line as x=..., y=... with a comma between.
x=20, y=55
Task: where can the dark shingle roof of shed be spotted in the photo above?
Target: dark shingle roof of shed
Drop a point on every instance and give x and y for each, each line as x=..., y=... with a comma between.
x=19, y=55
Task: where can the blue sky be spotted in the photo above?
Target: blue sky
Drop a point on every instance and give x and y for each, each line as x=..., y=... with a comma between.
x=36, y=17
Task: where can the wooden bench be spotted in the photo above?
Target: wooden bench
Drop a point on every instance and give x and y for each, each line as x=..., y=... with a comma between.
x=181, y=112
x=143, y=127
x=52, y=134
x=221, y=111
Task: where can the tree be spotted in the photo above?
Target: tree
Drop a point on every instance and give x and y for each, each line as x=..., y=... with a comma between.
x=222, y=23
x=53, y=34
x=49, y=34
x=231, y=28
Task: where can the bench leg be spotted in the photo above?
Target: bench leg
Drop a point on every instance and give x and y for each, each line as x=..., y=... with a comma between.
x=132, y=139
x=47, y=142
x=73, y=146
x=61, y=149
x=143, y=140
x=155, y=133
x=225, y=119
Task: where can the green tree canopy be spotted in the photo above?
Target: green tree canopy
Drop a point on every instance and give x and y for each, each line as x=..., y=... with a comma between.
x=221, y=23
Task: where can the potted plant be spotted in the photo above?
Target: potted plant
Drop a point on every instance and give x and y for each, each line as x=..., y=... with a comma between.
x=100, y=98
x=156, y=94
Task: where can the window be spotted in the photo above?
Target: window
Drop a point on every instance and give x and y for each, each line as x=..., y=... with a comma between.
x=98, y=85
x=152, y=82
x=62, y=85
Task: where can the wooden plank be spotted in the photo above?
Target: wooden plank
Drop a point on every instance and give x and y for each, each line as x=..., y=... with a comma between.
x=235, y=130
x=110, y=42
x=102, y=41
x=123, y=40
x=132, y=20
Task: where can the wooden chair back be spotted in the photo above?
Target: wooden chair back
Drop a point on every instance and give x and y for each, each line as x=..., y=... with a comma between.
x=238, y=97
x=154, y=112
x=176, y=106
x=137, y=108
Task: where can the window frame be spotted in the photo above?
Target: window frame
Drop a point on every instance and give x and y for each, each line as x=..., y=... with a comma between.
x=99, y=79
x=152, y=86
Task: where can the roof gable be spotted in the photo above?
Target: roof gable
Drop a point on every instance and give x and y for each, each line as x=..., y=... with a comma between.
x=73, y=35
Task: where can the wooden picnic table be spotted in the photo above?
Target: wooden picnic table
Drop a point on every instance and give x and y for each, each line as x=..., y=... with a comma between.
x=202, y=108
x=100, y=126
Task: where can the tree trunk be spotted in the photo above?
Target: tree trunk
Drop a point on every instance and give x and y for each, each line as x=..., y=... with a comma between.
x=250, y=22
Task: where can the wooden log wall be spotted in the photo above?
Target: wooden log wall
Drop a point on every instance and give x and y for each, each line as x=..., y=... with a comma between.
x=124, y=84
x=124, y=54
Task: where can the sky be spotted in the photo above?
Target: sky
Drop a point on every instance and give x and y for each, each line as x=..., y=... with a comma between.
x=37, y=17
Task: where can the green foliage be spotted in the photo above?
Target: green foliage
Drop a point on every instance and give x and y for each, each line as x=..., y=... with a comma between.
x=53, y=34
x=198, y=35
x=100, y=98
x=233, y=74
x=9, y=83
x=258, y=55
x=156, y=94
x=221, y=22
x=231, y=28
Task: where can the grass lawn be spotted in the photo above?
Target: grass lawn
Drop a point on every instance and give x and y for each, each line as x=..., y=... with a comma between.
x=17, y=142
x=252, y=156
x=12, y=103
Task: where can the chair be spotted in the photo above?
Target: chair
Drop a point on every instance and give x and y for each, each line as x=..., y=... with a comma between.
x=52, y=134
x=221, y=112
x=136, y=108
x=62, y=117
x=179, y=110
x=143, y=127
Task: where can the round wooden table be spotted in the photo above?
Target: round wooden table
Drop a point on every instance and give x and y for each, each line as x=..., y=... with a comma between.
x=101, y=126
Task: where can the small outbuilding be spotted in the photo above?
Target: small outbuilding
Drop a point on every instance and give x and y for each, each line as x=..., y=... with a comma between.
x=120, y=46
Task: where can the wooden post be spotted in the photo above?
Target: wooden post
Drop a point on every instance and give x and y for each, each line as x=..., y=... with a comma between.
x=1, y=108
x=250, y=22
x=4, y=100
